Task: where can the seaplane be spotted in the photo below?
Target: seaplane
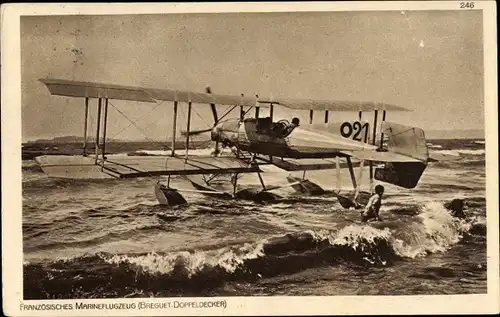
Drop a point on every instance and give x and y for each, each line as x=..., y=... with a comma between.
x=396, y=154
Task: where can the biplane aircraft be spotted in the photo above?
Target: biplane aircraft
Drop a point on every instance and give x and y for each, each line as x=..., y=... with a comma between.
x=396, y=154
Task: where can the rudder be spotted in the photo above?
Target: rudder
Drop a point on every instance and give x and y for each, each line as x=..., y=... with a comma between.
x=408, y=141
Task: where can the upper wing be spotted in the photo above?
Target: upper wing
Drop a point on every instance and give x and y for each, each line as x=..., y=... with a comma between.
x=71, y=88
x=332, y=105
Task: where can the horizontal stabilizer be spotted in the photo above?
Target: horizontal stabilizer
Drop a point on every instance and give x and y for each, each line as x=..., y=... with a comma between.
x=380, y=157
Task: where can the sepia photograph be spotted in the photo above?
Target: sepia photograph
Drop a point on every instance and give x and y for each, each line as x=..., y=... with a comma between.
x=205, y=156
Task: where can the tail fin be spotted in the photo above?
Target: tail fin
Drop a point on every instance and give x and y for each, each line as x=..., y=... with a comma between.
x=405, y=140
x=408, y=141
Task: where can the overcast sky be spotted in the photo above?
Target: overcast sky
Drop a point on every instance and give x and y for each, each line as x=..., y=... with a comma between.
x=428, y=61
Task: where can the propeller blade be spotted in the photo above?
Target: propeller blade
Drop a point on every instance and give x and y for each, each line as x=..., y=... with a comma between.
x=208, y=90
x=196, y=132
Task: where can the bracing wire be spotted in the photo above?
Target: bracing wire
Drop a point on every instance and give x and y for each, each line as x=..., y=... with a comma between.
x=130, y=124
x=138, y=128
x=247, y=111
x=144, y=134
x=404, y=131
x=201, y=117
x=227, y=112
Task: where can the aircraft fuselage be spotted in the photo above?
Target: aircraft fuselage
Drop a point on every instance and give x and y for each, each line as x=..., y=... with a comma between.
x=262, y=136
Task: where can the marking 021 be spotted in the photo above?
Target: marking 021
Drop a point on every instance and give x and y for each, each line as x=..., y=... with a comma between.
x=358, y=131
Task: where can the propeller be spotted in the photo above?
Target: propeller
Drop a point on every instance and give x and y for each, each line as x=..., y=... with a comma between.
x=196, y=132
x=214, y=135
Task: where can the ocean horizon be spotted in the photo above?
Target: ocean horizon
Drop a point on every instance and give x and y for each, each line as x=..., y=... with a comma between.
x=475, y=134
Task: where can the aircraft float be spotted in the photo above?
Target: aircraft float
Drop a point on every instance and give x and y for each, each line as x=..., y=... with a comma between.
x=395, y=153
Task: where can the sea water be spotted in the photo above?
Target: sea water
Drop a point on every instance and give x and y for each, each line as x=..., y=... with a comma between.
x=111, y=238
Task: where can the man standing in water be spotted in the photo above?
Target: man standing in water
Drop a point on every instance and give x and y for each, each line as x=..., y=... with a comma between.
x=456, y=206
x=373, y=207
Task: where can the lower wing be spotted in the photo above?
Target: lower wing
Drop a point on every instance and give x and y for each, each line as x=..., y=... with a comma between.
x=85, y=167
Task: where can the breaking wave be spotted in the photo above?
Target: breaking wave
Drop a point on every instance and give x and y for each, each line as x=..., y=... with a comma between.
x=431, y=230
x=463, y=152
x=434, y=146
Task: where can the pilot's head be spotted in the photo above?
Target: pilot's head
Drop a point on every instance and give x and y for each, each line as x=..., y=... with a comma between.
x=379, y=189
x=296, y=121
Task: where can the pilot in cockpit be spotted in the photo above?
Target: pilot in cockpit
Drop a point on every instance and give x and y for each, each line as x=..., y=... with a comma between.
x=283, y=128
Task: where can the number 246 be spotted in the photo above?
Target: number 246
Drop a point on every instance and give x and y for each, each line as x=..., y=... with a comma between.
x=466, y=5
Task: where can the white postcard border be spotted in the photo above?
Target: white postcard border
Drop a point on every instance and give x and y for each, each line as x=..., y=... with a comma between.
x=12, y=256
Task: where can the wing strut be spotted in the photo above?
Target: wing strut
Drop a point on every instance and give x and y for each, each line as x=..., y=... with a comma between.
x=104, y=132
x=337, y=167
x=188, y=128
x=99, y=110
x=257, y=106
x=351, y=172
x=174, y=128
x=382, y=132
x=374, y=140
x=235, y=183
x=360, y=178
x=85, y=126
x=242, y=111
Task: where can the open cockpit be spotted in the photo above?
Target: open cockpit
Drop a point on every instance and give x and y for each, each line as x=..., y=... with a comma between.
x=279, y=129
